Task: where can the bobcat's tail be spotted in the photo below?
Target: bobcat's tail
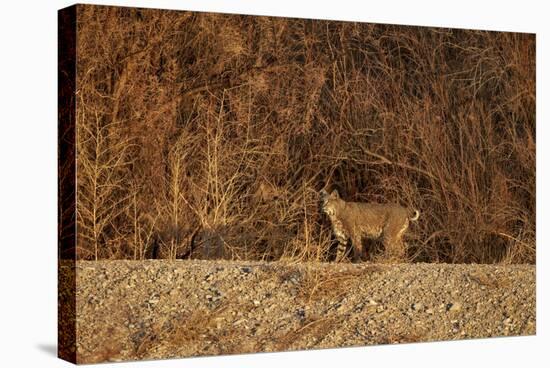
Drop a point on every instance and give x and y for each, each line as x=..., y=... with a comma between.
x=416, y=215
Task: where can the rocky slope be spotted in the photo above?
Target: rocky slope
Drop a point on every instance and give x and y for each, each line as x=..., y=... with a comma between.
x=129, y=310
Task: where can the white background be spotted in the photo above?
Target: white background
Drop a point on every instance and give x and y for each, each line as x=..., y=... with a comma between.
x=28, y=108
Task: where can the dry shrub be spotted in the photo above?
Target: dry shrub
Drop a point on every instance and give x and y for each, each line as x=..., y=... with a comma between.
x=316, y=327
x=317, y=285
x=489, y=280
x=108, y=352
x=183, y=331
x=194, y=126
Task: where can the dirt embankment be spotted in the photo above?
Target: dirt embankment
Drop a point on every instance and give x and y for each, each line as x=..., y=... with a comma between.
x=158, y=309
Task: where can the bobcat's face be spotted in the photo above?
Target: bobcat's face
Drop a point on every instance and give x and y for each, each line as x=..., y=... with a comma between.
x=329, y=202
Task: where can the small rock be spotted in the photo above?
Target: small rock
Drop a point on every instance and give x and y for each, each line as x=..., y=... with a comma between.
x=456, y=326
x=417, y=306
x=256, y=302
x=301, y=314
x=219, y=322
x=154, y=300
x=454, y=307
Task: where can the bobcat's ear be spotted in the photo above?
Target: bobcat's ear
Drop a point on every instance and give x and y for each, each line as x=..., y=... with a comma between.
x=335, y=194
x=323, y=193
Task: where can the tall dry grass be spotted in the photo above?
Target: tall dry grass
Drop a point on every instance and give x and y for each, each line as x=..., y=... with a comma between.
x=209, y=135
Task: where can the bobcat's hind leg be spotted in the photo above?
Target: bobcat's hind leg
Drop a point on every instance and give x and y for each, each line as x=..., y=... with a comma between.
x=357, y=248
x=394, y=249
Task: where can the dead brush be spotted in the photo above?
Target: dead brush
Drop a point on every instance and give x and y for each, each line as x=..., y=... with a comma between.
x=110, y=351
x=316, y=328
x=328, y=285
x=490, y=281
x=183, y=331
x=441, y=119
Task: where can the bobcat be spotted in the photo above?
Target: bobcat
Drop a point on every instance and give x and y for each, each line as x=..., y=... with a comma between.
x=354, y=220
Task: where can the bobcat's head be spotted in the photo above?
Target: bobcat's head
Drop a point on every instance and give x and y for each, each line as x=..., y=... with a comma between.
x=329, y=202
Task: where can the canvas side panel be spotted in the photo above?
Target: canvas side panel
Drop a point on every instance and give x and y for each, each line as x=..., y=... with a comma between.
x=66, y=184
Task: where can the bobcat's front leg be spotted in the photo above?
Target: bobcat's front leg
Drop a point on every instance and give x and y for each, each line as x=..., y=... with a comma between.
x=341, y=249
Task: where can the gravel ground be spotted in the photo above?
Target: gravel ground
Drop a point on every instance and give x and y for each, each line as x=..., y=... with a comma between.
x=128, y=310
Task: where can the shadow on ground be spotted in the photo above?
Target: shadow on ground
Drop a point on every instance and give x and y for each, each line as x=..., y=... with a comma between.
x=50, y=349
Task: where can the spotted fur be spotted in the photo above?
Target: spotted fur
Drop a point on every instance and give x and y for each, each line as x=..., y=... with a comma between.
x=353, y=221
